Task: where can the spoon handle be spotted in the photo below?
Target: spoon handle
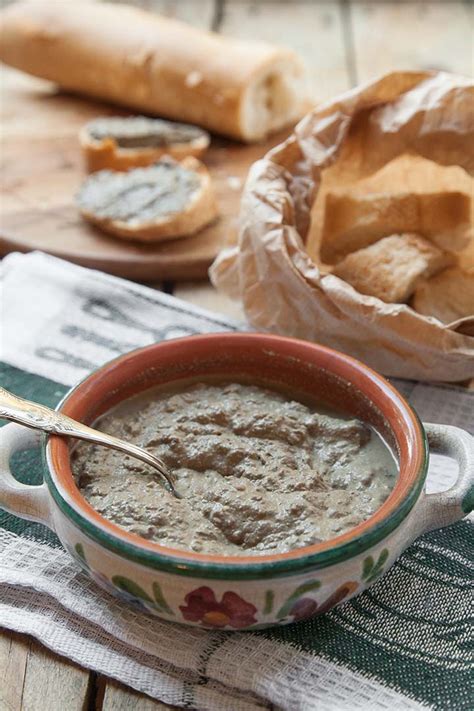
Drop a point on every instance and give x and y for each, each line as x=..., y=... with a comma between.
x=39, y=417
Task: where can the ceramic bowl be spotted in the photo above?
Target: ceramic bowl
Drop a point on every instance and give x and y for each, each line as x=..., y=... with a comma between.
x=245, y=592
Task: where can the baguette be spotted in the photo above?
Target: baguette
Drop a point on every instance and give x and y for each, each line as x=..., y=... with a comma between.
x=391, y=268
x=118, y=143
x=449, y=296
x=157, y=65
x=152, y=204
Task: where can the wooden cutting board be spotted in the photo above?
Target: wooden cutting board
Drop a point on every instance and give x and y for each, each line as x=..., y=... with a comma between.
x=41, y=170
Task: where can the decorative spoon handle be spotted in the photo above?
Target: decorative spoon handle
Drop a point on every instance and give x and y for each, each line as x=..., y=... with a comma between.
x=39, y=417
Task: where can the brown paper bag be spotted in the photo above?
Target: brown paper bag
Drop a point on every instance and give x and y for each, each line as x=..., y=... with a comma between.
x=283, y=290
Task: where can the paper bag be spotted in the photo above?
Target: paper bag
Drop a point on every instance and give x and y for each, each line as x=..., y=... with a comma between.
x=283, y=290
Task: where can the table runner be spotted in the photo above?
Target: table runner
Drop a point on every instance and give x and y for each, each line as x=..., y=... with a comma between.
x=403, y=644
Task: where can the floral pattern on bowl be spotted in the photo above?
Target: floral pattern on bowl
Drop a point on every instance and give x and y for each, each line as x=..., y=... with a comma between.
x=305, y=607
x=203, y=608
x=231, y=611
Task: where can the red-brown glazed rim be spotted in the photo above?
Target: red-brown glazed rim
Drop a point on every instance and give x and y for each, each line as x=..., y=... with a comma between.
x=256, y=355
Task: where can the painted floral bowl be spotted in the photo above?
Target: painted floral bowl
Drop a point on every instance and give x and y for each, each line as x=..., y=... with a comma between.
x=245, y=592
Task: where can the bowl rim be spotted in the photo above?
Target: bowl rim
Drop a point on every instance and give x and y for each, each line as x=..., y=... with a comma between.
x=188, y=563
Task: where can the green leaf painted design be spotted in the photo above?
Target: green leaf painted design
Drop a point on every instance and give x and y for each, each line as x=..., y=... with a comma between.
x=306, y=587
x=371, y=572
x=367, y=567
x=160, y=600
x=300, y=590
x=383, y=557
x=129, y=586
x=269, y=600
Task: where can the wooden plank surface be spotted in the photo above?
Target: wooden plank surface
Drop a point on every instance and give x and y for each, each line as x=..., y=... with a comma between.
x=120, y=698
x=51, y=677
x=341, y=41
x=412, y=35
x=204, y=295
x=35, y=679
x=200, y=13
x=313, y=29
x=13, y=655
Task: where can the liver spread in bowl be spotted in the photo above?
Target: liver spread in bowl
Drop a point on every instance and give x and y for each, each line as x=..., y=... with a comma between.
x=259, y=472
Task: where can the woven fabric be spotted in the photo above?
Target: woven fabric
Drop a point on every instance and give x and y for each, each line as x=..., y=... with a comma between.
x=404, y=644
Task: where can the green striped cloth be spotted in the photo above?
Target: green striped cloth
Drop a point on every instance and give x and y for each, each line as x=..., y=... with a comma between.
x=405, y=643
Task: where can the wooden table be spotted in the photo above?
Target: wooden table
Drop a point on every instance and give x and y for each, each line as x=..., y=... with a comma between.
x=344, y=42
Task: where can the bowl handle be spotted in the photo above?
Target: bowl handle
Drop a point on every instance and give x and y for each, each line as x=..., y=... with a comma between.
x=25, y=501
x=446, y=507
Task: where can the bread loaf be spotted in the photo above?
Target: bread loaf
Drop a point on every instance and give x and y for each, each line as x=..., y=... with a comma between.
x=391, y=268
x=152, y=204
x=157, y=65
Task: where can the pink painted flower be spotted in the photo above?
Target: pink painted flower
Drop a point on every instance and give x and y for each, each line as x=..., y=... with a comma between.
x=306, y=607
x=231, y=611
x=303, y=608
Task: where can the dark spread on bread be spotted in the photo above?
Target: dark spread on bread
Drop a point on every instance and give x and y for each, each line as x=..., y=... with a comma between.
x=259, y=471
x=139, y=196
x=143, y=132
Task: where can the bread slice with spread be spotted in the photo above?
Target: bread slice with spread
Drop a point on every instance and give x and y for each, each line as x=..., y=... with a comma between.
x=159, y=202
x=124, y=142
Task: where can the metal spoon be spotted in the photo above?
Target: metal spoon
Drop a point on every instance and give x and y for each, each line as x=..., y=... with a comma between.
x=39, y=417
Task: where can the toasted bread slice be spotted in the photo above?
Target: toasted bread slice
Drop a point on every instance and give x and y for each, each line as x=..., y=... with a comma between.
x=357, y=221
x=162, y=201
x=121, y=143
x=391, y=268
x=445, y=215
x=449, y=296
